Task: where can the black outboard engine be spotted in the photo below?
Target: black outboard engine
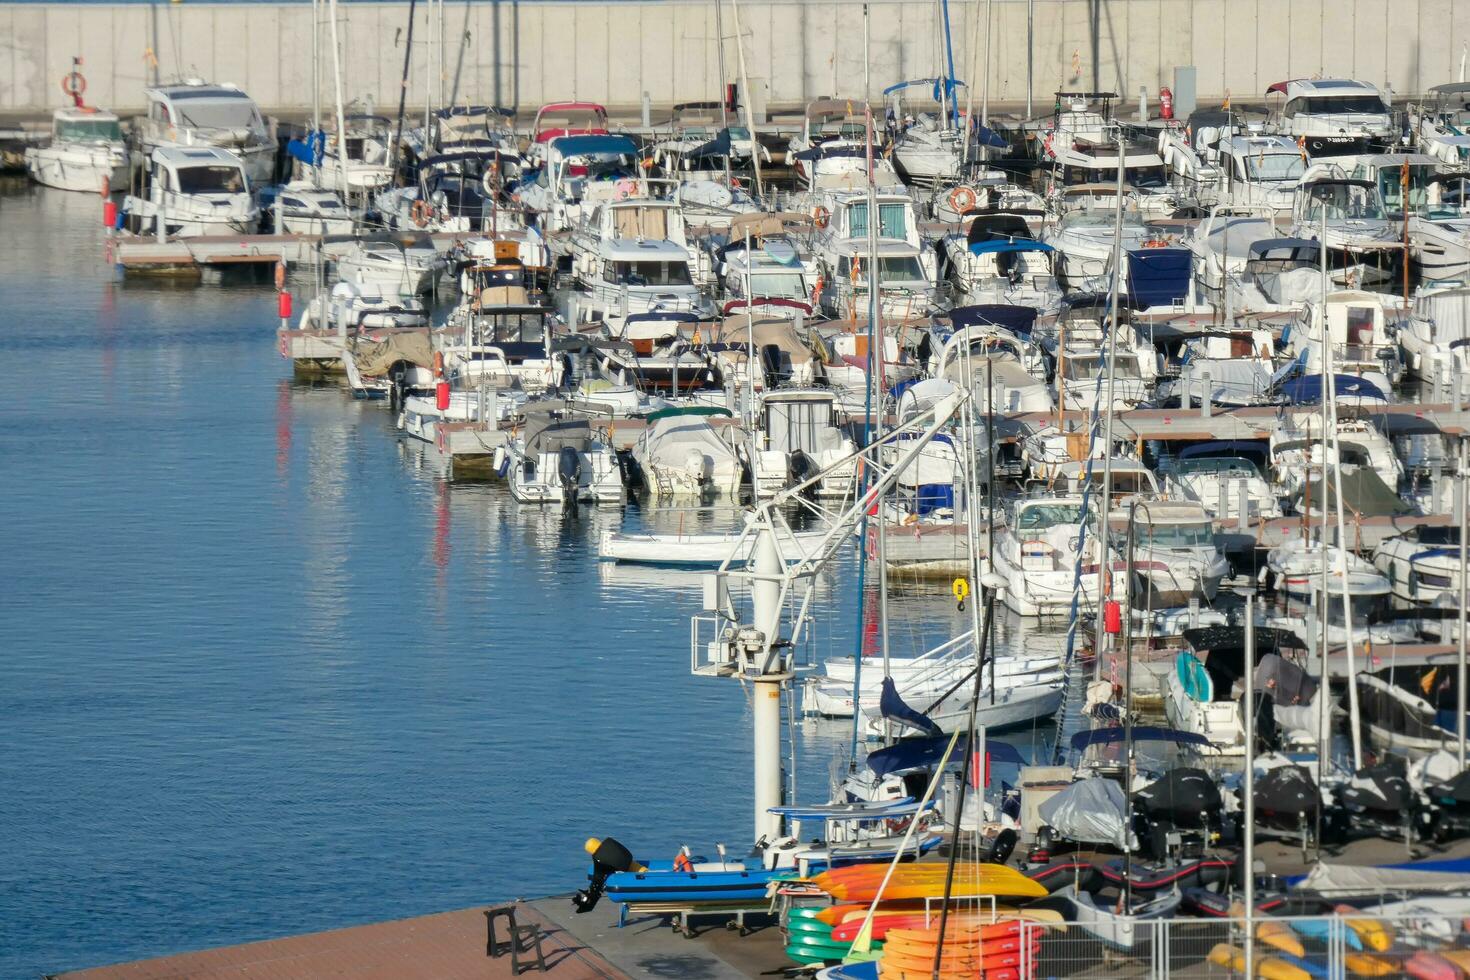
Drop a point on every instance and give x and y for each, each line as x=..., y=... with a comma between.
x=608, y=858
x=773, y=367
x=569, y=469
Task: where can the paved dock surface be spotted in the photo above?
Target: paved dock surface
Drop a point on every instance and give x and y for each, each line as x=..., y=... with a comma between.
x=447, y=946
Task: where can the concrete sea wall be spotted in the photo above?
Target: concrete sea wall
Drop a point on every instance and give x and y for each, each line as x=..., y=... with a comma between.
x=524, y=52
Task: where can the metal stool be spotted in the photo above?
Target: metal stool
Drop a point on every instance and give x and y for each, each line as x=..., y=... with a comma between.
x=521, y=940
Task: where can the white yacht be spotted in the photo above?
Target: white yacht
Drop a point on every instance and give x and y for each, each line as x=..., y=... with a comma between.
x=1363, y=246
x=556, y=460
x=632, y=276
x=1358, y=330
x=998, y=262
x=196, y=114
x=646, y=213
x=193, y=191
x=1422, y=564
x=1226, y=478
x=1433, y=338
x=1332, y=116
x=303, y=209
x=86, y=152
x=1175, y=555
x=1259, y=170
x=990, y=358
x=1083, y=241
x=390, y=265
x=1039, y=552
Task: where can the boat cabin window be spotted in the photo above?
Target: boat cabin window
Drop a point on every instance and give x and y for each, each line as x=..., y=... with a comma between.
x=1089, y=367
x=778, y=285
x=1342, y=202
x=1327, y=105
x=1274, y=167
x=223, y=114
x=1176, y=535
x=892, y=269
x=1365, y=609
x=641, y=222
x=892, y=220
x=1221, y=466
x=503, y=328
x=1033, y=522
x=646, y=273
x=211, y=180
x=88, y=129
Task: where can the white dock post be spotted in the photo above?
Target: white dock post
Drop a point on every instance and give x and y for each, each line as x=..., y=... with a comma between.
x=1459, y=386
x=1143, y=103
x=1194, y=612
x=766, y=746
x=1436, y=492
x=647, y=111
x=1242, y=519
x=276, y=209
x=1184, y=394
x=1204, y=396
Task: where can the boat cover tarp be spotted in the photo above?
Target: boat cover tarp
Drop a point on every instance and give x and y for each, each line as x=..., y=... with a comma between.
x=1286, y=791
x=1363, y=493
x=1448, y=311
x=1091, y=811
x=771, y=331
x=1143, y=733
x=1232, y=382
x=894, y=708
x=926, y=751
x=375, y=357
x=1183, y=795
x=1287, y=683
x=670, y=441
x=1158, y=276
x=1342, y=880
x=549, y=435
x=1017, y=319
x=1307, y=389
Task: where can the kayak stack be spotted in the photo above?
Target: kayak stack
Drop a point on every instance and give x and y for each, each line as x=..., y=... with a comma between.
x=811, y=941
x=906, y=882
x=969, y=950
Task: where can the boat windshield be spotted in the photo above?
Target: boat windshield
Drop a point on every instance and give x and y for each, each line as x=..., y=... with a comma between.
x=1275, y=166
x=647, y=273
x=778, y=285
x=1326, y=105
x=1177, y=535
x=88, y=129
x=892, y=220
x=1099, y=218
x=1343, y=202
x=1033, y=521
x=225, y=114
x=1365, y=608
x=211, y=180
x=1219, y=466
x=1087, y=368
x=513, y=327
x=895, y=269
x=1150, y=756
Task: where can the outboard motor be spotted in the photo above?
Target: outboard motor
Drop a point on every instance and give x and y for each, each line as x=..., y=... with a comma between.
x=569, y=468
x=608, y=858
x=772, y=366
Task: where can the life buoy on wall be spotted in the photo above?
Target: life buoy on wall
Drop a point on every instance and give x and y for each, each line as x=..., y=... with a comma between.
x=420, y=213
x=962, y=199
x=821, y=216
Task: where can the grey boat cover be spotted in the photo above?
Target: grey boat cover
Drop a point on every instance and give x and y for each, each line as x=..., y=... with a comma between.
x=1287, y=683
x=1091, y=811
x=545, y=434
x=768, y=331
x=375, y=357
x=1343, y=880
x=1363, y=493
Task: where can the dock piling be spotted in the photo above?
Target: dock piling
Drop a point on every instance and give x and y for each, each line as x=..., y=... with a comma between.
x=1204, y=396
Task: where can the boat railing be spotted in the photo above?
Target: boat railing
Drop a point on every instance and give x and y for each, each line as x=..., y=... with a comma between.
x=1422, y=943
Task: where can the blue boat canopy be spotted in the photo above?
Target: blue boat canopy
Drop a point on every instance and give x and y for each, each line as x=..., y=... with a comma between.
x=995, y=245
x=927, y=751
x=940, y=88
x=1017, y=319
x=576, y=146
x=842, y=812
x=1308, y=389
x=1158, y=276
x=1148, y=733
x=823, y=150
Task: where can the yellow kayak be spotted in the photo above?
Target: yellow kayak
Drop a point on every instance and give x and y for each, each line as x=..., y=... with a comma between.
x=1270, y=967
x=1368, y=965
x=1375, y=934
x=1273, y=932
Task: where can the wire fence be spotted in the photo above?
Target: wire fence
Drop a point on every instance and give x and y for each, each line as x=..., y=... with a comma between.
x=1427, y=943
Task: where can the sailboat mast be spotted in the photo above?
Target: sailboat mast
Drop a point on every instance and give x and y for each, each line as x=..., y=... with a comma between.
x=875, y=380
x=337, y=91
x=1104, y=564
x=402, y=92
x=755, y=148
x=951, y=100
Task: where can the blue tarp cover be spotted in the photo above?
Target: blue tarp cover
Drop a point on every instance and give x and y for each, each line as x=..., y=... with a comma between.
x=1149, y=733
x=574, y=146
x=926, y=751
x=893, y=708
x=1307, y=389
x=1158, y=276
x=1017, y=319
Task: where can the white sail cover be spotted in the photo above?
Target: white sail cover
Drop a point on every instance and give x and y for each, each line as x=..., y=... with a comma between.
x=1346, y=879
x=1091, y=811
x=1445, y=314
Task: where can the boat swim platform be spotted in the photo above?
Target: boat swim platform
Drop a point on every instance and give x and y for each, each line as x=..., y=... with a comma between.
x=145, y=254
x=451, y=946
x=446, y=946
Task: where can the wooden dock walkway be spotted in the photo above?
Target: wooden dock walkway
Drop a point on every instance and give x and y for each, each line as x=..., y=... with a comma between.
x=447, y=946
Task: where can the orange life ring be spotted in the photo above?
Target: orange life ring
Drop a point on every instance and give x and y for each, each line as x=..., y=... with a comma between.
x=420, y=212
x=74, y=83
x=820, y=216
x=682, y=862
x=962, y=199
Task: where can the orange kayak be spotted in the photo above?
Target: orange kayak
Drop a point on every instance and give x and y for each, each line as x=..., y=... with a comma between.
x=883, y=922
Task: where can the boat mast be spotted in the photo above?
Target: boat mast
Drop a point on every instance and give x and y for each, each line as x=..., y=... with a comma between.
x=1104, y=564
x=951, y=101
x=1249, y=851
x=337, y=91
x=402, y=94
x=755, y=148
x=875, y=386
x=985, y=87
x=1460, y=666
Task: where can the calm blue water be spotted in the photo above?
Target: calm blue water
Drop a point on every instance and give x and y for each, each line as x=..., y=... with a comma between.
x=264, y=670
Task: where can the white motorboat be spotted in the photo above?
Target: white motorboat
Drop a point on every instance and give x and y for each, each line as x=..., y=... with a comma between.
x=695, y=549
x=576, y=173
x=633, y=276
x=303, y=209
x=998, y=262
x=984, y=353
x=1175, y=555
x=643, y=211
x=829, y=126
x=194, y=114
x=1083, y=241
x=1358, y=331
x=86, y=152
x=1363, y=246
x=390, y=265
x=1297, y=451
x=1041, y=556
x=1369, y=598
x=349, y=308
x=1422, y=564
x=454, y=192
x=1014, y=705
x=1434, y=338
x=559, y=460
x=1232, y=367
x=194, y=191
x=1226, y=478
x=844, y=251
x=1332, y=116
x=796, y=438
x=1200, y=693
x=1261, y=170
x=680, y=454
x=1297, y=564
x=1443, y=124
